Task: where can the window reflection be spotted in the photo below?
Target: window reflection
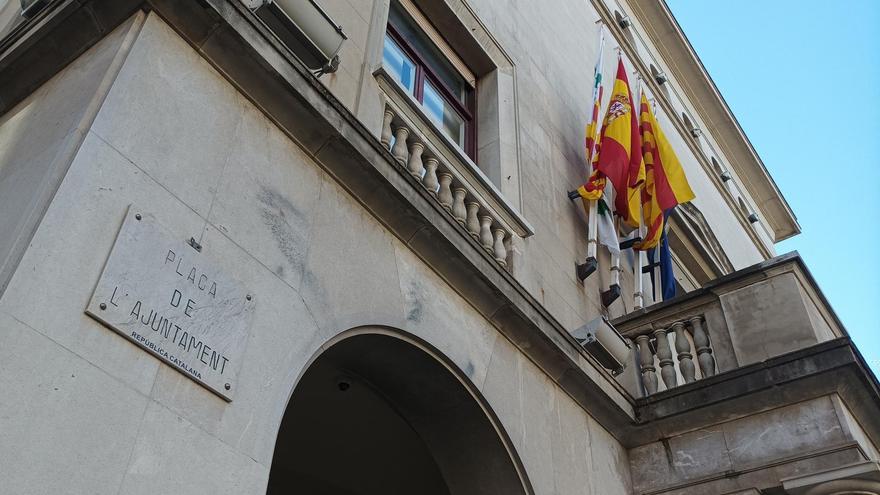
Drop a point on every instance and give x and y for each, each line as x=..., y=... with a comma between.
x=443, y=114
x=399, y=65
x=411, y=58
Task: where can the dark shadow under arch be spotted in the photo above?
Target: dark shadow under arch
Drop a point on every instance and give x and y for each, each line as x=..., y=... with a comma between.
x=377, y=414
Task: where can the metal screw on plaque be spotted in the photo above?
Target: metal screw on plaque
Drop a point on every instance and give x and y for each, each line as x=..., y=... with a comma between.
x=227, y=386
x=248, y=297
x=137, y=216
x=103, y=306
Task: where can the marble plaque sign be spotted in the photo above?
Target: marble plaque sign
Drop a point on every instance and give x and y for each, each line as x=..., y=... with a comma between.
x=171, y=300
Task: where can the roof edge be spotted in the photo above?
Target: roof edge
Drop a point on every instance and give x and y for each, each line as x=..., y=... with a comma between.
x=679, y=55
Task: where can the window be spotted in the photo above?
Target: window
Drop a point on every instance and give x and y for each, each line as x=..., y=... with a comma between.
x=447, y=98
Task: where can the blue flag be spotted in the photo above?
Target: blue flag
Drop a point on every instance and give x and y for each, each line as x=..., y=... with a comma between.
x=667, y=277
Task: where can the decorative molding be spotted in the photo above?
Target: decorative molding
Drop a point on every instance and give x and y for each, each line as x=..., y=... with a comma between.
x=675, y=49
x=625, y=41
x=693, y=225
x=463, y=169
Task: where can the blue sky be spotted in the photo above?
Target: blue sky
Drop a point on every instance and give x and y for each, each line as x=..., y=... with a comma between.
x=803, y=79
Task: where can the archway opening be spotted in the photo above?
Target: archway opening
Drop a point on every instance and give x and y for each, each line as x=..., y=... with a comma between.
x=375, y=414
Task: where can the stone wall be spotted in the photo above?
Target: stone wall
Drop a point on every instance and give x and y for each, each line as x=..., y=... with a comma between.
x=752, y=452
x=86, y=411
x=553, y=77
x=39, y=137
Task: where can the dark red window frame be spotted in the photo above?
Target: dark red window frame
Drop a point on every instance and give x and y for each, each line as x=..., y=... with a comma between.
x=466, y=109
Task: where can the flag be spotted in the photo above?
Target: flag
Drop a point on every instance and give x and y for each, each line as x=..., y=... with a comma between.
x=667, y=278
x=593, y=126
x=665, y=183
x=596, y=182
x=620, y=156
x=607, y=233
x=651, y=210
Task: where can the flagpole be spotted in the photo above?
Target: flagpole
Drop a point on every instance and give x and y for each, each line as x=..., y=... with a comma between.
x=591, y=263
x=615, y=261
x=655, y=268
x=593, y=214
x=638, y=281
x=613, y=292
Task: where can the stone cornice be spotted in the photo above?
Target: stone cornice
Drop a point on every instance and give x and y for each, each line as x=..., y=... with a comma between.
x=665, y=33
x=630, y=52
x=833, y=367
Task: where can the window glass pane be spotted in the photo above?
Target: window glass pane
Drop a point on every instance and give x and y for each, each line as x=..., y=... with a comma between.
x=426, y=49
x=399, y=65
x=443, y=114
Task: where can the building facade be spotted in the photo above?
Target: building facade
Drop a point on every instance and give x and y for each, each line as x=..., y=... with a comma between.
x=225, y=269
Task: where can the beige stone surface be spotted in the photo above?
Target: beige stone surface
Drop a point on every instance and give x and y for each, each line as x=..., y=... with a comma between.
x=767, y=319
x=794, y=438
x=435, y=313
x=572, y=451
x=39, y=137
x=66, y=426
x=267, y=196
x=790, y=430
x=351, y=273
x=611, y=468
x=283, y=338
x=172, y=114
x=171, y=455
x=69, y=250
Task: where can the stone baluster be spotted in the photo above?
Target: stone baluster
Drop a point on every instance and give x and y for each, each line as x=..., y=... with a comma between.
x=685, y=356
x=444, y=195
x=664, y=354
x=499, y=251
x=472, y=223
x=646, y=364
x=385, y=138
x=459, y=211
x=486, y=238
x=414, y=164
x=399, y=149
x=430, y=180
x=701, y=342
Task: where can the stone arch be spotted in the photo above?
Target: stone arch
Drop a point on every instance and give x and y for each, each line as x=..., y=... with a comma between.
x=377, y=410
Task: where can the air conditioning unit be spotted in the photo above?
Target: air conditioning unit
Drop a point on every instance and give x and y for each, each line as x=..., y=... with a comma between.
x=304, y=27
x=604, y=343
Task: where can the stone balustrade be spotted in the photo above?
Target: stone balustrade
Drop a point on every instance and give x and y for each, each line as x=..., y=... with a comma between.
x=413, y=151
x=689, y=339
x=749, y=316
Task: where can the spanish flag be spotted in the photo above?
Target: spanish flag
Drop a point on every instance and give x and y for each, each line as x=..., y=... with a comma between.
x=665, y=183
x=620, y=157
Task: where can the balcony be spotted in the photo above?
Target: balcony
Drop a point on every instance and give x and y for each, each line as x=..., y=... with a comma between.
x=749, y=385
x=453, y=180
x=747, y=317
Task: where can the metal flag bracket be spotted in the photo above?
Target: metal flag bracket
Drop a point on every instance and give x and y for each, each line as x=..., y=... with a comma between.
x=610, y=295
x=585, y=269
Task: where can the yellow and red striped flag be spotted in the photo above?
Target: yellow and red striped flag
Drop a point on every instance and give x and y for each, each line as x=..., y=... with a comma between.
x=665, y=183
x=620, y=150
